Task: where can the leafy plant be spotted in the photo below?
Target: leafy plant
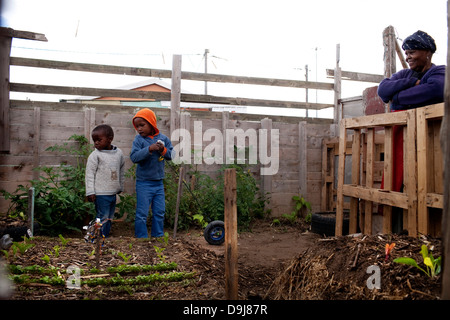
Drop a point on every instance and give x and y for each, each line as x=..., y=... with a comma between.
x=124, y=256
x=433, y=266
x=300, y=205
x=60, y=191
x=22, y=246
x=63, y=240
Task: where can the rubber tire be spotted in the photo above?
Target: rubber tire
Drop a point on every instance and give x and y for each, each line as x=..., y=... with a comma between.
x=17, y=232
x=214, y=232
x=324, y=224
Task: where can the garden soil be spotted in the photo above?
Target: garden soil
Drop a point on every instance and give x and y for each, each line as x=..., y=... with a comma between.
x=276, y=262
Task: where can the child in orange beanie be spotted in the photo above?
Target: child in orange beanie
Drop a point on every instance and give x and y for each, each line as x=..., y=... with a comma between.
x=149, y=151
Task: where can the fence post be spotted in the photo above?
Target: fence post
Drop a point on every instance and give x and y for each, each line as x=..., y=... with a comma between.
x=5, y=51
x=175, y=94
x=445, y=136
x=231, y=254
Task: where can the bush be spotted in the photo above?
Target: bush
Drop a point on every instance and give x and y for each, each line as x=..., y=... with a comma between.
x=205, y=201
x=59, y=192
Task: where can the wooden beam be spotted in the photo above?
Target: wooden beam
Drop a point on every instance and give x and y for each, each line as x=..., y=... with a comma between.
x=389, y=198
x=356, y=168
x=8, y=32
x=340, y=182
x=175, y=94
x=377, y=120
x=165, y=96
x=357, y=76
x=5, y=50
x=231, y=253
x=388, y=166
x=445, y=140
x=161, y=73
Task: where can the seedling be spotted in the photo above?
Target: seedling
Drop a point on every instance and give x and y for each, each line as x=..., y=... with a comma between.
x=46, y=259
x=433, y=266
x=63, y=240
x=22, y=246
x=388, y=249
x=123, y=256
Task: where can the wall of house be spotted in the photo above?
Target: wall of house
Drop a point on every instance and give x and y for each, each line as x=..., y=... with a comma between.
x=35, y=126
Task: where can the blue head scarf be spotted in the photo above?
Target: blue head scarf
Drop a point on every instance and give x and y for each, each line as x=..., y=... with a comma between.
x=419, y=41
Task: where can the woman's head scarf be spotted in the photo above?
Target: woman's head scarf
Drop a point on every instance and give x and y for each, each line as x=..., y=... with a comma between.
x=419, y=41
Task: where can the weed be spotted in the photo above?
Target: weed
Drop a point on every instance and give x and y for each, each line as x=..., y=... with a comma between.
x=433, y=266
x=300, y=205
x=46, y=259
x=123, y=256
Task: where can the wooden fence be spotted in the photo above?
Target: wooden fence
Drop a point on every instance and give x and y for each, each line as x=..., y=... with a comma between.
x=422, y=177
x=30, y=127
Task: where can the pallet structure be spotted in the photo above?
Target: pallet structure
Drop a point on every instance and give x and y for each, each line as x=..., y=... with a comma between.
x=422, y=178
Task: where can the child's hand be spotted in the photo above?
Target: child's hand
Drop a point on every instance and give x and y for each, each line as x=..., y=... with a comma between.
x=153, y=147
x=91, y=198
x=156, y=147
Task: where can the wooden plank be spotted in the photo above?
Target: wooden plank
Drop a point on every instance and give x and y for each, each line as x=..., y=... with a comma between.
x=231, y=250
x=389, y=198
x=8, y=32
x=5, y=50
x=377, y=120
x=410, y=177
x=175, y=94
x=341, y=173
x=162, y=96
x=356, y=167
x=368, y=205
x=422, y=178
x=435, y=200
x=445, y=282
x=36, y=140
x=388, y=165
x=159, y=73
x=356, y=76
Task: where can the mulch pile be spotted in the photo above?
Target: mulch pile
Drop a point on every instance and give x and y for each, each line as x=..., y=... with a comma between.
x=337, y=269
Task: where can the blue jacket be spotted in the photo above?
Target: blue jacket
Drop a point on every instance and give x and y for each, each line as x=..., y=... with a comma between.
x=404, y=94
x=149, y=167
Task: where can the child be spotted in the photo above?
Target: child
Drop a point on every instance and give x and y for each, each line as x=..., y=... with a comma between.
x=149, y=150
x=104, y=175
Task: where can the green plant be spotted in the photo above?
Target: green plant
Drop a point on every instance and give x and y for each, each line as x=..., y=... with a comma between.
x=124, y=256
x=63, y=240
x=22, y=246
x=300, y=204
x=433, y=266
x=59, y=191
x=46, y=259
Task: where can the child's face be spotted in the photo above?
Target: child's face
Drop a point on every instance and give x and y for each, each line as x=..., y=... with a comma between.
x=101, y=140
x=143, y=127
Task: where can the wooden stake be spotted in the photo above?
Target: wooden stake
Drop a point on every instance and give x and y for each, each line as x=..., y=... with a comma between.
x=177, y=208
x=231, y=254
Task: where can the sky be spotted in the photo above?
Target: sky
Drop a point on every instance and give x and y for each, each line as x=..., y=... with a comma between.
x=272, y=39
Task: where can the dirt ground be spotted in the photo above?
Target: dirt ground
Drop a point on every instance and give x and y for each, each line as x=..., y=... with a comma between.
x=275, y=263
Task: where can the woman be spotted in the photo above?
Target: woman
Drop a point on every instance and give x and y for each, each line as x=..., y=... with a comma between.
x=420, y=85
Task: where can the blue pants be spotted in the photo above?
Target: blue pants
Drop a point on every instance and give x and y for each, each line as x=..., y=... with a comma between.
x=105, y=207
x=149, y=193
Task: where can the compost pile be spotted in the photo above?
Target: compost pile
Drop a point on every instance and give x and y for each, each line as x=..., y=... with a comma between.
x=336, y=268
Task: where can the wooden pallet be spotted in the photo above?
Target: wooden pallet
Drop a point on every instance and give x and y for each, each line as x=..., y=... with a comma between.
x=422, y=170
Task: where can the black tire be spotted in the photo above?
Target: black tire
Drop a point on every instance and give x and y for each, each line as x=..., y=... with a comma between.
x=17, y=232
x=215, y=232
x=324, y=223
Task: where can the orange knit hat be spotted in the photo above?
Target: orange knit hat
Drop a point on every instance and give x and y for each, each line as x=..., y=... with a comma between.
x=149, y=116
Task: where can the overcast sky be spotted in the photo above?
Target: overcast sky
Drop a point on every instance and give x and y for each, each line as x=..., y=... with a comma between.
x=273, y=39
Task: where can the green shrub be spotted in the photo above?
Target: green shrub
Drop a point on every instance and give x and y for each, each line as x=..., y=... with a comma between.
x=59, y=192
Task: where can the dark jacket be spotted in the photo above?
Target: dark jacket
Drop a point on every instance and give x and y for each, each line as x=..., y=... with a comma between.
x=404, y=94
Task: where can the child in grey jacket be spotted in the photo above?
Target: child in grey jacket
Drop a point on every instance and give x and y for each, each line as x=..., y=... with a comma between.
x=104, y=175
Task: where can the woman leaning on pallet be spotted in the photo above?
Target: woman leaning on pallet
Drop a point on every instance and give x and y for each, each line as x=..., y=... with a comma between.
x=420, y=85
